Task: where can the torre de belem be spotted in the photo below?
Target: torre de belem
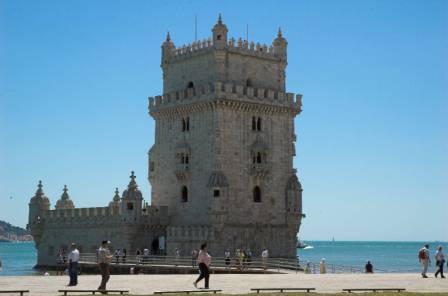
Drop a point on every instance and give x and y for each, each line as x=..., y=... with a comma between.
x=221, y=167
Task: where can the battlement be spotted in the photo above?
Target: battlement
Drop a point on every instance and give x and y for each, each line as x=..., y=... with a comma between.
x=149, y=214
x=239, y=46
x=228, y=90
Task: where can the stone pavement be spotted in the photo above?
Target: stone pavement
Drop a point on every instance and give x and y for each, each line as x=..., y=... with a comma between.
x=229, y=283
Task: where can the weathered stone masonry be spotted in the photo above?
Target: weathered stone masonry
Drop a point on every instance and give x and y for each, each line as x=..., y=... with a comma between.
x=221, y=168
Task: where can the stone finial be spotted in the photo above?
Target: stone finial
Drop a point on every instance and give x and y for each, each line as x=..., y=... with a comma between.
x=168, y=37
x=279, y=34
x=219, y=19
x=64, y=195
x=132, y=183
x=117, y=195
x=65, y=202
x=39, y=191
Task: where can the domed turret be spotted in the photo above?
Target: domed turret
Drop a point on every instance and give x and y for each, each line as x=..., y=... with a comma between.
x=220, y=34
x=64, y=202
x=167, y=49
x=39, y=203
x=114, y=205
x=280, y=44
x=131, y=202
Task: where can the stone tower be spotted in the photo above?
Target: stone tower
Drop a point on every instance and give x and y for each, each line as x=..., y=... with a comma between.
x=222, y=160
x=38, y=206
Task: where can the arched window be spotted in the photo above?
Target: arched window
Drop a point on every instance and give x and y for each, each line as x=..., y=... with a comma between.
x=254, y=124
x=218, y=37
x=184, y=125
x=184, y=197
x=249, y=82
x=259, y=124
x=187, y=159
x=190, y=84
x=187, y=126
x=258, y=157
x=257, y=194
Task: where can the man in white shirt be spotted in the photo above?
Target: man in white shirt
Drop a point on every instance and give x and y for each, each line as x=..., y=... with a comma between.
x=73, y=259
x=264, y=257
x=423, y=257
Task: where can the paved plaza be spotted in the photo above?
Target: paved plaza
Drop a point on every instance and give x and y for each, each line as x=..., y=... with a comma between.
x=229, y=283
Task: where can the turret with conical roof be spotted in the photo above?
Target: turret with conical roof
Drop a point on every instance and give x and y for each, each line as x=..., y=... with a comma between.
x=64, y=202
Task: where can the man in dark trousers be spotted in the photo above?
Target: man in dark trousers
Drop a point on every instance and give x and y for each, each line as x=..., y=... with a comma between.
x=204, y=260
x=73, y=259
x=104, y=259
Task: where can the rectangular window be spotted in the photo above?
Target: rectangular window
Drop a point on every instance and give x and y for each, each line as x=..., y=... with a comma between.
x=216, y=193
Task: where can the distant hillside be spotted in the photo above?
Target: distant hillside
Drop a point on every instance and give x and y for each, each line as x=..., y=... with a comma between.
x=9, y=233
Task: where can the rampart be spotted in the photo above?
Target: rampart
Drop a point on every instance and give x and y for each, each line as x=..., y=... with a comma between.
x=239, y=47
x=150, y=215
x=227, y=90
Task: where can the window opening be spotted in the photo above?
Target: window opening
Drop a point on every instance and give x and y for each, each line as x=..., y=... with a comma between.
x=257, y=194
x=216, y=193
x=184, y=197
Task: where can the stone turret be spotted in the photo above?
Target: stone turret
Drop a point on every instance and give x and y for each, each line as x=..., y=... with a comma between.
x=280, y=45
x=167, y=49
x=64, y=202
x=38, y=206
x=219, y=34
x=114, y=205
x=131, y=201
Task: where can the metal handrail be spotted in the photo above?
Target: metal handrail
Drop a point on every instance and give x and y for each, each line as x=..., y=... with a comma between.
x=235, y=263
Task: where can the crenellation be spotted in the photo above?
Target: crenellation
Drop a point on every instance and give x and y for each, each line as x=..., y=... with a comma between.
x=223, y=90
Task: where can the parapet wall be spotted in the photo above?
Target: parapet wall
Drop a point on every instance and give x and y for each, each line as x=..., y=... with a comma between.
x=227, y=90
x=240, y=46
x=154, y=215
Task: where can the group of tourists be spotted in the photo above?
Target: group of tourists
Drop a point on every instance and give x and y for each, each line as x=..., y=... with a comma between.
x=202, y=259
x=425, y=260
x=120, y=254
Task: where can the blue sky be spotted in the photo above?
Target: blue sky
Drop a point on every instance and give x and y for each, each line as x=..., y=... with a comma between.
x=372, y=137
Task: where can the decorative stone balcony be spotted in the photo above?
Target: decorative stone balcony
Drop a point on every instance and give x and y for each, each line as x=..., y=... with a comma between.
x=183, y=171
x=259, y=170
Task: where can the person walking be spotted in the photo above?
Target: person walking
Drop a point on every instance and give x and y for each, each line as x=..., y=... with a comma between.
x=227, y=258
x=194, y=257
x=104, y=259
x=322, y=266
x=440, y=261
x=264, y=258
x=423, y=258
x=73, y=259
x=204, y=260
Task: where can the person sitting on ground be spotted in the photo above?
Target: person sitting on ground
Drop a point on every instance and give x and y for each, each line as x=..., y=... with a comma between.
x=369, y=267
